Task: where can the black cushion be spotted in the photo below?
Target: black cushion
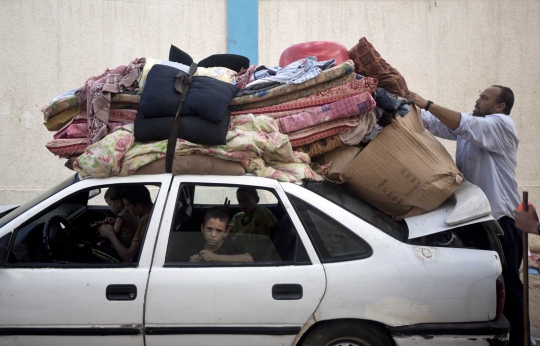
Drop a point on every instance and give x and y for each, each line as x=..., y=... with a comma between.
x=159, y=97
x=230, y=61
x=178, y=55
x=194, y=129
x=207, y=97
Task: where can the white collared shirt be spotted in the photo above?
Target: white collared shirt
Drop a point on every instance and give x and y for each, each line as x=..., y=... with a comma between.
x=486, y=154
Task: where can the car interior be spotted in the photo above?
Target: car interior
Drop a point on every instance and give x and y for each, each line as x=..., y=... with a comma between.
x=282, y=246
x=63, y=233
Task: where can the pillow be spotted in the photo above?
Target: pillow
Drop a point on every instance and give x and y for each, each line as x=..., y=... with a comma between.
x=230, y=61
x=178, y=55
x=193, y=129
x=207, y=97
x=368, y=62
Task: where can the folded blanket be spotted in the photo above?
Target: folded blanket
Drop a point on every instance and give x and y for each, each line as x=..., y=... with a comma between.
x=194, y=164
x=322, y=146
x=95, y=97
x=68, y=147
x=315, y=133
x=325, y=76
x=348, y=107
x=255, y=142
x=354, y=87
x=126, y=98
x=61, y=119
x=117, y=117
x=296, y=95
x=59, y=106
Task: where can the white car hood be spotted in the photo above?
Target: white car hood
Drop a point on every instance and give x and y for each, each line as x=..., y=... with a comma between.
x=467, y=205
x=4, y=208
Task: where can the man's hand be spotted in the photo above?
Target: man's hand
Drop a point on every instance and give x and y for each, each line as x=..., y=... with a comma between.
x=109, y=220
x=418, y=100
x=208, y=256
x=106, y=231
x=527, y=221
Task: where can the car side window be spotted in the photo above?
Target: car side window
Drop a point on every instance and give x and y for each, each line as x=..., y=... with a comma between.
x=253, y=229
x=94, y=227
x=333, y=241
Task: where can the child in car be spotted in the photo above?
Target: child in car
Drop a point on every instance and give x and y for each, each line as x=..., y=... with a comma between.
x=252, y=219
x=137, y=202
x=124, y=224
x=217, y=247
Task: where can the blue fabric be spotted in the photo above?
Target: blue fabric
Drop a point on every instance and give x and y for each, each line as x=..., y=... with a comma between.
x=391, y=102
x=296, y=72
x=207, y=97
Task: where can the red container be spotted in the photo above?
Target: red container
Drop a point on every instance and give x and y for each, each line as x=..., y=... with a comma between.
x=323, y=50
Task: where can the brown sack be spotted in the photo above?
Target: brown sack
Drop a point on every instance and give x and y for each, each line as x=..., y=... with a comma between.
x=194, y=164
x=404, y=171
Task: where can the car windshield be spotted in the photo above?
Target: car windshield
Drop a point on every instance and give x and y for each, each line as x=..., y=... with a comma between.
x=337, y=195
x=38, y=199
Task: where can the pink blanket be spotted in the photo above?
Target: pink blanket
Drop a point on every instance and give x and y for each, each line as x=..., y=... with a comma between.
x=341, y=92
x=348, y=107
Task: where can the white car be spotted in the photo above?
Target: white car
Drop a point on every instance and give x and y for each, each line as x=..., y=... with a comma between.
x=340, y=272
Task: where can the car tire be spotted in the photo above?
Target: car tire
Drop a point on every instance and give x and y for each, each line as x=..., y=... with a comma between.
x=347, y=333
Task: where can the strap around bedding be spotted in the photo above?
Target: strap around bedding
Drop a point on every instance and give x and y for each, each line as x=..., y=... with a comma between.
x=181, y=85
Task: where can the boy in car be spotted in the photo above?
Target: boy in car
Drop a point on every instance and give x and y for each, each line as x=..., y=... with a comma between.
x=137, y=202
x=217, y=247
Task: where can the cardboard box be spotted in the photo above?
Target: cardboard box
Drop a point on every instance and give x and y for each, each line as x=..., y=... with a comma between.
x=404, y=171
x=341, y=158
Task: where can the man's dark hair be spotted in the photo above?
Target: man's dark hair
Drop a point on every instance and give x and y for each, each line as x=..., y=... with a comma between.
x=249, y=190
x=507, y=97
x=114, y=193
x=137, y=194
x=217, y=213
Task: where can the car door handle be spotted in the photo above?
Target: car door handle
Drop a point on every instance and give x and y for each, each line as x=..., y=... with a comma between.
x=287, y=292
x=121, y=292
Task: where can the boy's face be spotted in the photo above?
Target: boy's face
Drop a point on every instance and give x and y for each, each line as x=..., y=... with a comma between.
x=115, y=206
x=214, y=231
x=246, y=202
x=133, y=209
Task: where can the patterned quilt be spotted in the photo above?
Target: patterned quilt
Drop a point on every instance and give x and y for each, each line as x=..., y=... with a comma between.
x=255, y=142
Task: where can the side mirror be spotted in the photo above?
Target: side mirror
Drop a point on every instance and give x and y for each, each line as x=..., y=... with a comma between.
x=93, y=193
x=4, y=244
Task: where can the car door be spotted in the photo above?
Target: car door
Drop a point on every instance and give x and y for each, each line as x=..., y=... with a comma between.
x=75, y=303
x=261, y=303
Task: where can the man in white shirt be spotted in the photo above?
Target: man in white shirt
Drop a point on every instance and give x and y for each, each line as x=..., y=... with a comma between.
x=486, y=154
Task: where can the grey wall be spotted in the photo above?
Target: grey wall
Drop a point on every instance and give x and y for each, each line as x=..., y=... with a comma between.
x=448, y=51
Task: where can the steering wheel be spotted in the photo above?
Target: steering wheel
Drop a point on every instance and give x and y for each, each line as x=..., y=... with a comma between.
x=59, y=243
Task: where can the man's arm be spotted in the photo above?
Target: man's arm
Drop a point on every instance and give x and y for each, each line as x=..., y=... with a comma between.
x=126, y=254
x=489, y=133
x=448, y=117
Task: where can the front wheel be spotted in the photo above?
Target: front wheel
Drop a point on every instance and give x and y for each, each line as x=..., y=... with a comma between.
x=347, y=333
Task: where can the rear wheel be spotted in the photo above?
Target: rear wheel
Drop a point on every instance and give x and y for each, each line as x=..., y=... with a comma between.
x=348, y=333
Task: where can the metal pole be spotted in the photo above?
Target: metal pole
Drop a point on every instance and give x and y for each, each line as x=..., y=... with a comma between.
x=526, y=322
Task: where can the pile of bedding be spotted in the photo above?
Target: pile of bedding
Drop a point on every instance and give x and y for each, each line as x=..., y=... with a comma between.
x=271, y=120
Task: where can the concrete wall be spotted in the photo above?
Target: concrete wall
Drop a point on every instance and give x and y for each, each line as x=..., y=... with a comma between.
x=448, y=51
